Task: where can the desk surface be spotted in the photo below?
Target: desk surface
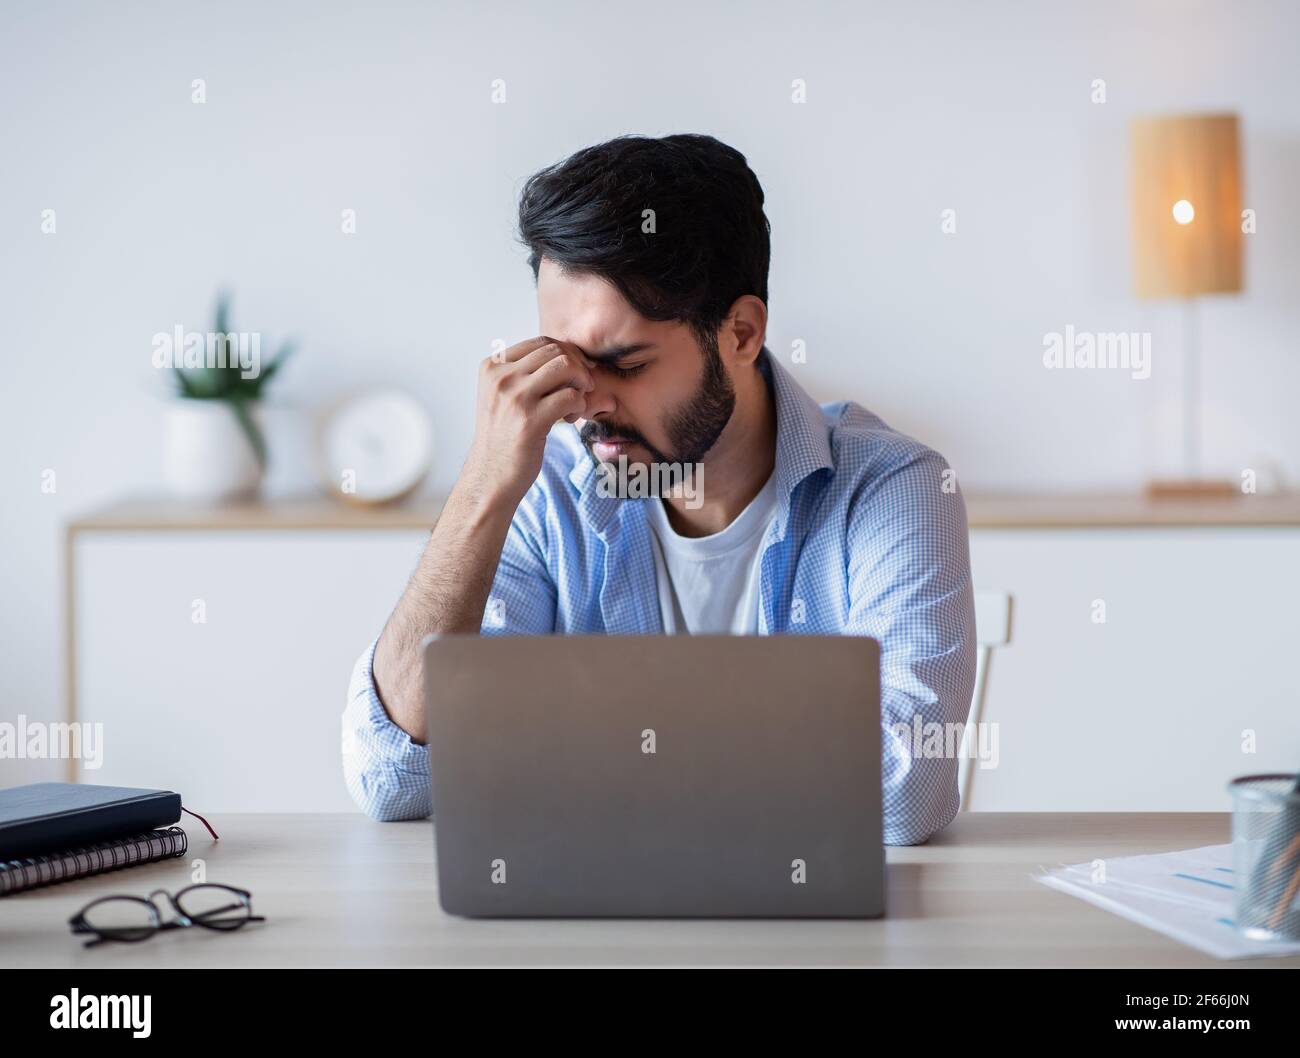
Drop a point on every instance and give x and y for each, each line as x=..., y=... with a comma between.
x=343, y=890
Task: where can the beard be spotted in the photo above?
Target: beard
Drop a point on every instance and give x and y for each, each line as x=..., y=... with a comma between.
x=692, y=428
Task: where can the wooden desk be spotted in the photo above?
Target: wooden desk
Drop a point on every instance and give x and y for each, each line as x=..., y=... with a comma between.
x=342, y=890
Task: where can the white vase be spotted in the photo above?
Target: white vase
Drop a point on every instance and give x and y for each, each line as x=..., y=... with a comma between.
x=207, y=454
x=291, y=454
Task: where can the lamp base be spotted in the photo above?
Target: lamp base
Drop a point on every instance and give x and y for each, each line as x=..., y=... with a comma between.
x=1191, y=489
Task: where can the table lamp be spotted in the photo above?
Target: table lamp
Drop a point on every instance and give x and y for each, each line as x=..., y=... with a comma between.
x=1186, y=243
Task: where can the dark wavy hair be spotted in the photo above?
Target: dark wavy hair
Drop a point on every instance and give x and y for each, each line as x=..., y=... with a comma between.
x=712, y=242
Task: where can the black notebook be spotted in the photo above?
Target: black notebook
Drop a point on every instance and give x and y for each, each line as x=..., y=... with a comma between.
x=52, y=817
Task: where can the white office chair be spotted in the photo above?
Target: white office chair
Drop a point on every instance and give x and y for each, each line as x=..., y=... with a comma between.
x=992, y=629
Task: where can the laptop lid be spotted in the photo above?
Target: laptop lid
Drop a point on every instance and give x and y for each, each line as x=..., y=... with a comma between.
x=673, y=776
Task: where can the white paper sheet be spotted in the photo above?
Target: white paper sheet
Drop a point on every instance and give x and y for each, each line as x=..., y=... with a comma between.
x=1184, y=895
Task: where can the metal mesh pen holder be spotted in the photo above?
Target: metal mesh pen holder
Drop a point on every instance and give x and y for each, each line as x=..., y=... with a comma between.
x=1266, y=856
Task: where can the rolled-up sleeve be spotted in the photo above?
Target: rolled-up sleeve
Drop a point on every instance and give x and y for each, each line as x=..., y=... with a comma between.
x=386, y=773
x=910, y=588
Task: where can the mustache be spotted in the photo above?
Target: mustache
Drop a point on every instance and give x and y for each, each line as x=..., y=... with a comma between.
x=593, y=431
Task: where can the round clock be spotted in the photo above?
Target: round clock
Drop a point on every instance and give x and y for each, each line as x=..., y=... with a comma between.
x=375, y=446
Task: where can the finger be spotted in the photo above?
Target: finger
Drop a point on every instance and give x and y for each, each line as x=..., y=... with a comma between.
x=525, y=351
x=543, y=355
x=530, y=362
x=567, y=404
x=561, y=370
x=520, y=350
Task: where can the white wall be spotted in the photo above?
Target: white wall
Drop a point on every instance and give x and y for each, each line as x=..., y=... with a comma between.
x=384, y=108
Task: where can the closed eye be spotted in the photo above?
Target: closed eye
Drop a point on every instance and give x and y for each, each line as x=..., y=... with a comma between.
x=625, y=372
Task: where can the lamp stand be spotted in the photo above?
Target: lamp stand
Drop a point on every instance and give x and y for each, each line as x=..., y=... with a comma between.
x=1192, y=485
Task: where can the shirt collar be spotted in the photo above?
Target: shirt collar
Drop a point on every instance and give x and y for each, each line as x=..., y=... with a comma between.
x=802, y=448
x=803, y=444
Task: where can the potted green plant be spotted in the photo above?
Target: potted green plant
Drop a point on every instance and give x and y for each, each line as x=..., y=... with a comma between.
x=216, y=445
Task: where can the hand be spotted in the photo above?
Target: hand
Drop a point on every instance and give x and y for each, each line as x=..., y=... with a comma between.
x=522, y=393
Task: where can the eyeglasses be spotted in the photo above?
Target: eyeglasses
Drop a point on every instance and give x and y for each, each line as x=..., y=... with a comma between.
x=135, y=918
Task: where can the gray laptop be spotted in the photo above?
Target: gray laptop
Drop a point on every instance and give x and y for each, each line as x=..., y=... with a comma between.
x=673, y=776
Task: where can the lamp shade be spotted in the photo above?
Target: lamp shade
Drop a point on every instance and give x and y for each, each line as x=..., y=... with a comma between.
x=1186, y=205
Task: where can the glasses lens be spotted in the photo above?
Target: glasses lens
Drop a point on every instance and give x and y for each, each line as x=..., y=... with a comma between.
x=120, y=918
x=214, y=906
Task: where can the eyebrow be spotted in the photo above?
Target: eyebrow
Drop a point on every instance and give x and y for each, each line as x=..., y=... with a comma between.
x=618, y=352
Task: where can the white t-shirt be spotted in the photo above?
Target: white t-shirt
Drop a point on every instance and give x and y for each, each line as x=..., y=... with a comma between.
x=709, y=584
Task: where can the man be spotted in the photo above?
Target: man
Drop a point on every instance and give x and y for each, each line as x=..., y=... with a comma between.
x=651, y=260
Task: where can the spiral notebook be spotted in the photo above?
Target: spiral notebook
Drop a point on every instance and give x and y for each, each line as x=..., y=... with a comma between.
x=34, y=871
x=54, y=832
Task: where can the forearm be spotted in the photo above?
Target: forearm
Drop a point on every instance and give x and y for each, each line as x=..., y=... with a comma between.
x=446, y=595
x=523, y=392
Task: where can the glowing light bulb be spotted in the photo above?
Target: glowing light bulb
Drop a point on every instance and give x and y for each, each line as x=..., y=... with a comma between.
x=1183, y=211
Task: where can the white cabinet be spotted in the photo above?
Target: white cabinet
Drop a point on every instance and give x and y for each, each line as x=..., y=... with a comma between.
x=218, y=659
x=1151, y=709
x=1158, y=706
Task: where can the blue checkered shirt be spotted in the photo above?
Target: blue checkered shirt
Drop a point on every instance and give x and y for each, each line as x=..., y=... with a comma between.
x=869, y=539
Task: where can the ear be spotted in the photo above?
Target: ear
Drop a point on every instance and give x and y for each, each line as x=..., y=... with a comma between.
x=743, y=331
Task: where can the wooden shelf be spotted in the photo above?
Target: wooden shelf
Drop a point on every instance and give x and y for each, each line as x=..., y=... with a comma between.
x=307, y=512
x=1127, y=510
x=984, y=511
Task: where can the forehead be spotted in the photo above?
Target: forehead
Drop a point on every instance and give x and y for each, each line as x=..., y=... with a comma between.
x=584, y=309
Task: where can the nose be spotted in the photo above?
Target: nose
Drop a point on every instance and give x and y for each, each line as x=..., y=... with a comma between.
x=600, y=399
